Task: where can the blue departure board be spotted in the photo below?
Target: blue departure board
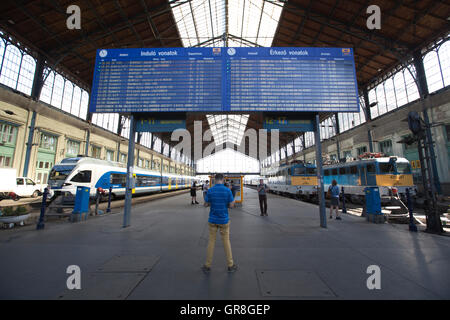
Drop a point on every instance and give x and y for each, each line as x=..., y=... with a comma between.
x=224, y=79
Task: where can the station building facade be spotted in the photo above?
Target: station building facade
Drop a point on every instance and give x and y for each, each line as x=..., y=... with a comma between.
x=60, y=135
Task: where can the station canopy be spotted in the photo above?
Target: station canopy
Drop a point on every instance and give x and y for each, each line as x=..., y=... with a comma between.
x=407, y=26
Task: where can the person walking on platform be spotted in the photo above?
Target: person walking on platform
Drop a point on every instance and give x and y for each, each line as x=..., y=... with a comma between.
x=333, y=194
x=262, y=194
x=194, y=192
x=219, y=198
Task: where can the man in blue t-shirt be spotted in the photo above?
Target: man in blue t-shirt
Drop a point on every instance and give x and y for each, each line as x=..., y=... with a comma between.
x=219, y=198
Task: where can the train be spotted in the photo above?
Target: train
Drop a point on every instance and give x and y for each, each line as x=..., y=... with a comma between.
x=297, y=178
x=70, y=173
x=392, y=175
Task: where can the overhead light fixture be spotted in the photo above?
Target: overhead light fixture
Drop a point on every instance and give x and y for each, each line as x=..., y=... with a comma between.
x=11, y=21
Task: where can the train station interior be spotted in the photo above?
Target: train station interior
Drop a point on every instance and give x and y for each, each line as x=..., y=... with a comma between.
x=326, y=123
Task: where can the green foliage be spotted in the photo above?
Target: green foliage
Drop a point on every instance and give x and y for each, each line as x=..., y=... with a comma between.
x=20, y=210
x=9, y=211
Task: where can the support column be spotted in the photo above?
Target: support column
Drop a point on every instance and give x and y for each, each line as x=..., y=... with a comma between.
x=29, y=144
x=118, y=151
x=323, y=218
x=368, y=118
x=304, y=147
x=338, y=131
x=422, y=86
x=86, y=149
x=130, y=171
x=38, y=83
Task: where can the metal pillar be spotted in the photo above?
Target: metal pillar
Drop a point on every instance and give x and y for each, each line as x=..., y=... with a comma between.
x=29, y=144
x=304, y=147
x=88, y=135
x=130, y=170
x=422, y=86
x=338, y=132
x=323, y=217
x=368, y=117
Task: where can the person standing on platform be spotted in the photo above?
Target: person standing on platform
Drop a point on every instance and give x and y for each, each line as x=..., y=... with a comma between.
x=333, y=194
x=262, y=194
x=205, y=189
x=219, y=198
x=194, y=192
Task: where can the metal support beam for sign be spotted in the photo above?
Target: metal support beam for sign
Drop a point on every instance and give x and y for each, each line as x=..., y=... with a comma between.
x=422, y=87
x=322, y=213
x=244, y=41
x=130, y=170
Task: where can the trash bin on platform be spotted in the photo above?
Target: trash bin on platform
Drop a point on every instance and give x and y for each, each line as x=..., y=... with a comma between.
x=373, y=205
x=81, y=204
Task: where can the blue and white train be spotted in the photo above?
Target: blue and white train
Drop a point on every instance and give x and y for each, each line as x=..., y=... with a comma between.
x=70, y=173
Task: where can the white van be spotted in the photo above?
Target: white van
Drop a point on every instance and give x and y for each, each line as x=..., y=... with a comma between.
x=12, y=186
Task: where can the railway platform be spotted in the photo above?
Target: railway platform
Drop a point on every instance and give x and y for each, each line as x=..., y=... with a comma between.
x=283, y=256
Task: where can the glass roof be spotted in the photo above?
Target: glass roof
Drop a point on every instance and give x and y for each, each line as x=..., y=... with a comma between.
x=227, y=128
x=208, y=23
x=247, y=23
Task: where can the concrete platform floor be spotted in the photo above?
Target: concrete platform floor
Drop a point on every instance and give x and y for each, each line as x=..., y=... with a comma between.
x=283, y=256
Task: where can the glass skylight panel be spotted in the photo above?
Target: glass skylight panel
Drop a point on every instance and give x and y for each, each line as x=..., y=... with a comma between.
x=227, y=128
x=199, y=21
x=253, y=20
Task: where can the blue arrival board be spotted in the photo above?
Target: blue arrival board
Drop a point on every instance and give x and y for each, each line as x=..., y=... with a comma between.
x=224, y=80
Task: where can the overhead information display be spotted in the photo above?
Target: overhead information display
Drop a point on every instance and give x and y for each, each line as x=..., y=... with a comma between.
x=224, y=79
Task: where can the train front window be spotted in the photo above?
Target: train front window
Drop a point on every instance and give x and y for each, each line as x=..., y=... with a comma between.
x=60, y=172
x=299, y=171
x=82, y=176
x=403, y=168
x=311, y=171
x=387, y=168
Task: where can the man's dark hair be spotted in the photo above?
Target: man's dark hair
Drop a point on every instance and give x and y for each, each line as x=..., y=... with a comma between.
x=219, y=176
